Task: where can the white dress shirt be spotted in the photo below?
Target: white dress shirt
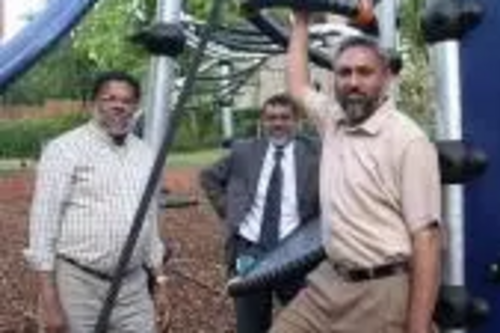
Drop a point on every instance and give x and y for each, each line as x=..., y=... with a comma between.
x=87, y=192
x=250, y=228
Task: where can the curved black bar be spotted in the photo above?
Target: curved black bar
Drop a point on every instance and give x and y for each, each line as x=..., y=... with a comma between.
x=280, y=36
x=156, y=172
x=296, y=256
x=451, y=19
x=460, y=162
x=457, y=309
x=342, y=7
x=162, y=39
x=21, y=52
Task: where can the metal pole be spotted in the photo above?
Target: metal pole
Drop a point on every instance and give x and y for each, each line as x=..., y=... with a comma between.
x=161, y=80
x=445, y=58
x=386, y=12
x=225, y=102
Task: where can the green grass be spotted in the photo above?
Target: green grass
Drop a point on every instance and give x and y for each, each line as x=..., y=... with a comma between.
x=194, y=159
x=175, y=160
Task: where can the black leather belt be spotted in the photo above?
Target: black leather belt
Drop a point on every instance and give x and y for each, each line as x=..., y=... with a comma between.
x=371, y=273
x=91, y=271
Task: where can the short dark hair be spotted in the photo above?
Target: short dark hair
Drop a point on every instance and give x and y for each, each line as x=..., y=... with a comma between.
x=282, y=99
x=364, y=42
x=105, y=77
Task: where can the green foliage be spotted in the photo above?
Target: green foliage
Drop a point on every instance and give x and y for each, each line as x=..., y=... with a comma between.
x=25, y=138
x=415, y=90
x=198, y=127
x=60, y=74
x=411, y=25
x=246, y=122
x=104, y=35
x=201, y=9
x=187, y=140
x=200, y=158
x=201, y=125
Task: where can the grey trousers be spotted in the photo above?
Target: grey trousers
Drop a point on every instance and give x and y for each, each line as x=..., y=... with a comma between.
x=82, y=297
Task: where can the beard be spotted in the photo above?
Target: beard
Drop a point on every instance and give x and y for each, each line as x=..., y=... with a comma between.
x=357, y=107
x=281, y=138
x=112, y=126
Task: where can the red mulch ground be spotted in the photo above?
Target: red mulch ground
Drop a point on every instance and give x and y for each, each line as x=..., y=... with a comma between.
x=196, y=300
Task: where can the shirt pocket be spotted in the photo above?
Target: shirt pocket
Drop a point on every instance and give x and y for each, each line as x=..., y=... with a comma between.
x=91, y=182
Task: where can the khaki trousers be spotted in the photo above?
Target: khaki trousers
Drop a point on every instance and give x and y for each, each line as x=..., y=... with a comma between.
x=331, y=305
x=82, y=297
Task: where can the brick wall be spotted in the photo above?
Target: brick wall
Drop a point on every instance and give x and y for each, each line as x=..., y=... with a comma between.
x=51, y=108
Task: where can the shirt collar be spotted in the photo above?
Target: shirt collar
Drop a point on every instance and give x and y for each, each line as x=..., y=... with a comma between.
x=374, y=123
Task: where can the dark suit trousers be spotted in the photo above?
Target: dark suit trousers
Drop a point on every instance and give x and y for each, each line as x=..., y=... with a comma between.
x=254, y=312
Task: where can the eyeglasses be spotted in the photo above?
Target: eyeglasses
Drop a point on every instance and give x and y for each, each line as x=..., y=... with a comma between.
x=108, y=99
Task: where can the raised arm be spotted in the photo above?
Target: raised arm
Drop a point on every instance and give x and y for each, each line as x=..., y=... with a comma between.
x=317, y=106
x=297, y=62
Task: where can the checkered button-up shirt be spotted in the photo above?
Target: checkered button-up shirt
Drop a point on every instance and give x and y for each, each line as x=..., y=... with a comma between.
x=87, y=192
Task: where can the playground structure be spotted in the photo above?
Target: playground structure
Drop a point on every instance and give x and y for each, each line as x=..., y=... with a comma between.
x=461, y=58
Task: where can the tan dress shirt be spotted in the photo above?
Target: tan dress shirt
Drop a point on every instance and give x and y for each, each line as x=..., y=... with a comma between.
x=379, y=183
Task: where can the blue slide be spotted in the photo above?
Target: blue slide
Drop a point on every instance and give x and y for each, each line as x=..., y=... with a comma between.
x=24, y=49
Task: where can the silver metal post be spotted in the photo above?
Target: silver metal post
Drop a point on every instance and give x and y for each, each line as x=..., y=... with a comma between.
x=159, y=99
x=386, y=13
x=445, y=58
x=227, y=114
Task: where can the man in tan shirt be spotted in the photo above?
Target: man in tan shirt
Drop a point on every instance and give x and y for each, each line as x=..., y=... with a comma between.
x=380, y=200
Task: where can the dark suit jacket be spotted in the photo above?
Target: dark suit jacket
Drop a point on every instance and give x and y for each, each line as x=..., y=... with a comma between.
x=231, y=183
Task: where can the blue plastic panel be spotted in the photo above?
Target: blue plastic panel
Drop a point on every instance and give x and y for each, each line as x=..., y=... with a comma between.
x=24, y=49
x=480, y=54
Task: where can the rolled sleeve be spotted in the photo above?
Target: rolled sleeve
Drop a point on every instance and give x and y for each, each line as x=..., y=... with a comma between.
x=51, y=191
x=421, y=188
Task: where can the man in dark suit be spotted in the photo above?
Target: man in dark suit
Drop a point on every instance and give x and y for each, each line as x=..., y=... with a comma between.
x=264, y=189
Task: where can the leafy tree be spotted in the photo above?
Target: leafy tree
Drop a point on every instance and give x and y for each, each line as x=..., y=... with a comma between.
x=59, y=75
x=104, y=35
x=415, y=88
x=201, y=9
